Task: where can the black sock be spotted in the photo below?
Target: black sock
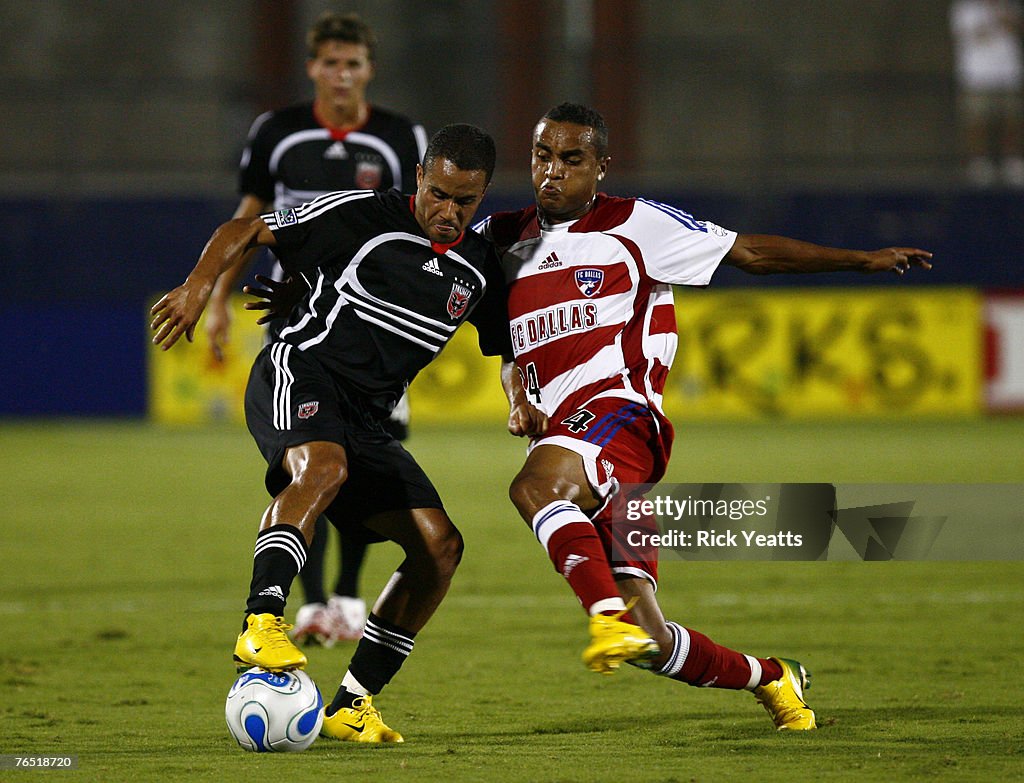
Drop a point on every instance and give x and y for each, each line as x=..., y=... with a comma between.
x=380, y=654
x=353, y=553
x=342, y=700
x=279, y=555
x=312, y=574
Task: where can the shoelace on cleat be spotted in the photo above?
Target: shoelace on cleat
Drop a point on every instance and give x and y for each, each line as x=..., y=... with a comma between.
x=630, y=605
x=363, y=706
x=271, y=631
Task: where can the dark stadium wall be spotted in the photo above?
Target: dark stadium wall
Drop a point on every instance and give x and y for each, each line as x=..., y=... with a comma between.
x=80, y=275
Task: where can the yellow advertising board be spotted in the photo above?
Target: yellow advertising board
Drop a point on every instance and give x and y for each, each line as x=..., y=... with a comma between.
x=800, y=353
x=460, y=385
x=187, y=385
x=794, y=353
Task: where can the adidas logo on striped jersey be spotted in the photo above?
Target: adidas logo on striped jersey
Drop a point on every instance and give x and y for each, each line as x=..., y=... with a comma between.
x=433, y=267
x=551, y=262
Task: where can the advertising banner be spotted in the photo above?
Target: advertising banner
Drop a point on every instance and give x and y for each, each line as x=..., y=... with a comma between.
x=187, y=385
x=743, y=354
x=1004, y=352
x=799, y=354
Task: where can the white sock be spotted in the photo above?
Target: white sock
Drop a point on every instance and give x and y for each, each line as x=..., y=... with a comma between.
x=607, y=605
x=352, y=685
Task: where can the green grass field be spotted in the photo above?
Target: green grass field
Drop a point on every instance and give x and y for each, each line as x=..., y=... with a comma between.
x=125, y=562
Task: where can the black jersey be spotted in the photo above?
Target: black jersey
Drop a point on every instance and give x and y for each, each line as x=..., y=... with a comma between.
x=291, y=158
x=383, y=299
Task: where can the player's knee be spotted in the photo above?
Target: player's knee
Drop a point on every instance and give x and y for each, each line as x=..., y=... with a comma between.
x=442, y=552
x=435, y=546
x=519, y=493
x=530, y=491
x=324, y=475
x=449, y=553
x=319, y=468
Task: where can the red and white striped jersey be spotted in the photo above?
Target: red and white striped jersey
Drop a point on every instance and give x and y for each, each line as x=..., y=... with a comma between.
x=590, y=301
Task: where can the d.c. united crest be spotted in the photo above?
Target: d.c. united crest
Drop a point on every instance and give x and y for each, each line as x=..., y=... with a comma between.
x=308, y=409
x=458, y=300
x=589, y=281
x=369, y=174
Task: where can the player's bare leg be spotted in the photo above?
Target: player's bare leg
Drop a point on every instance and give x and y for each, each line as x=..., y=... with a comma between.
x=551, y=493
x=639, y=594
x=317, y=470
x=433, y=549
x=689, y=656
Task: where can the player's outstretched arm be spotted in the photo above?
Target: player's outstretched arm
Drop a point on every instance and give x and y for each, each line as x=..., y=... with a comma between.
x=765, y=254
x=218, y=315
x=178, y=311
x=523, y=418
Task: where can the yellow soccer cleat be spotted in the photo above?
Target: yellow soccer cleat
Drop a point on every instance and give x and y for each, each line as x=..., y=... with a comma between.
x=613, y=642
x=359, y=723
x=784, y=697
x=265, y=643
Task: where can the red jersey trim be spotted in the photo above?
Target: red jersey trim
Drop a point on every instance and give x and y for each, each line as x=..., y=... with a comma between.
x=559, y=286
x=663, y=320
x=585, y=347
x=636, y=361
x=607, y=213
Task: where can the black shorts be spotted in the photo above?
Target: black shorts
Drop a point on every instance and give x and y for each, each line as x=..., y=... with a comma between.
x=291, y=400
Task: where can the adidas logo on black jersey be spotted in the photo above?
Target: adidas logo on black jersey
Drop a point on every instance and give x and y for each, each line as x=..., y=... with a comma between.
x=336, y=151
x=433, y=267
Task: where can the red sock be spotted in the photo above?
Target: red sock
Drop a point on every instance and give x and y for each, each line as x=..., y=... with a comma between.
x=697, y=660
x=578, y=555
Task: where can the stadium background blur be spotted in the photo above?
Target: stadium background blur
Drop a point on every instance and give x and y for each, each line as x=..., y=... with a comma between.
x=123, y=124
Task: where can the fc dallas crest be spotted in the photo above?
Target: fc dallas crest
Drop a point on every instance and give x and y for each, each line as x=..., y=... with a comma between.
x=458, y=300
x=589, y=281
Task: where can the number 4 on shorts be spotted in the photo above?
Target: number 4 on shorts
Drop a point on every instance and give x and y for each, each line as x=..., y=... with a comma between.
x=579, y=420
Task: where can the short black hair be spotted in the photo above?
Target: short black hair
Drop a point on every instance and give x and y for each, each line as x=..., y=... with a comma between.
x=578, y=114
x=347, y=28
x=470, y=148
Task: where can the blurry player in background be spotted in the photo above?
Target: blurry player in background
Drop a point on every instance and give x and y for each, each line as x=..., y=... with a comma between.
x=338, y=141
x=593, y=333
x=387, y=279
x=990, y=81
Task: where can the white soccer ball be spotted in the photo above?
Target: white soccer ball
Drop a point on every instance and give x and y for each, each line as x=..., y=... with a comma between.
x=274, y=711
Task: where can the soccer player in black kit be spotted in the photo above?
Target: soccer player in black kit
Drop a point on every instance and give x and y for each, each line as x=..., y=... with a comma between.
x=390, y=278
x=337, y=141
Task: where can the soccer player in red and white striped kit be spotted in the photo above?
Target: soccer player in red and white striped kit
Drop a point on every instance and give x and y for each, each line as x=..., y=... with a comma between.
x=593, y=329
